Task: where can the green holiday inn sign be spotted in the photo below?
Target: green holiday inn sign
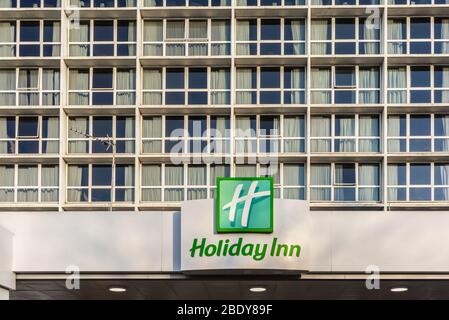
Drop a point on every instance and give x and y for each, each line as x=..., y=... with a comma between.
x=244, y=205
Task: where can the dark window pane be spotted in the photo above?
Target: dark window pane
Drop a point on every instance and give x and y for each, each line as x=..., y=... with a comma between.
x=175, y=78
x=420, y=125
x=102, y=98
x=197, y=78
x=345, y=2
x=420, y=28
x=344, y=29
x=28, y=127
x=419, y=173
x=123, y=33
x=345, y=174
x=420, y=96
x=198, y=3
x=28, y=146
x=123, y=195
x=100, y=147
x=123, y=126
x=441, y=129
x=103, y=50
x=270, y=49
x=102, y=126
x=29, y=50
x=420, y=194
x=420, y=145
x=345, y=48
x=120, y=175
x=29, y=31
x=345, y=96
x=270, y=97
x=344, y=194
x=101, y=175
x=197, y=126
x=101, y=195
x=420, y=77
x=174, y=126
x=49, y=31
x=270, y=29
x=175, y=3
x=420, y=47
x=30, y=3
x=174, y=98
x=104, y=3
x=126, y=3
x=102, y=79
x=103, y=31
x=288, y=30
x=197, y=98
x=440, y=175
x=267, y=125
x=345, y=77
x=270, y=78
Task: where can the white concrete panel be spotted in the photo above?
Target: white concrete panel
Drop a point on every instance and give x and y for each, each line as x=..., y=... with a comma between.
x=96, y=242
x=4, y=294
x=7, y=277
x=394, y=241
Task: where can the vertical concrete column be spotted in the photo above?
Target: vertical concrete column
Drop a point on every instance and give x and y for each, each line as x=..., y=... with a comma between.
x=4, y=294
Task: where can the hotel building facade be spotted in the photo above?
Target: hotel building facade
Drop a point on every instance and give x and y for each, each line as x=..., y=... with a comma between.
x=139, y=105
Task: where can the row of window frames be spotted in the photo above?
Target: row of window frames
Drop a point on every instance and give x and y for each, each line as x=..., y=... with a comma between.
x=20, y=183
x=77, y=3
x=109, y=38
x=418, y=84
x=167, y=182
x=418, y=182
x=418, y=36
x=29, y=183
x=276, y=3
x=205, y=3
x=37, y=38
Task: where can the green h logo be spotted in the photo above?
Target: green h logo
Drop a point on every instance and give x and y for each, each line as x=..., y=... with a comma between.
x=244, y=205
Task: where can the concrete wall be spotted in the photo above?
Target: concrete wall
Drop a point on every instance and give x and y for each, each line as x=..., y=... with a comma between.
x=146, y=242
x=7, y=277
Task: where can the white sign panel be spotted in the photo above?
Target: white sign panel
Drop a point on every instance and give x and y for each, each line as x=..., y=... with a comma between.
x=203, y=248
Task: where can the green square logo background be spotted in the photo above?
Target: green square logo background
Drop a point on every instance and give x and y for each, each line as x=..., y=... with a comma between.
x=261, y=211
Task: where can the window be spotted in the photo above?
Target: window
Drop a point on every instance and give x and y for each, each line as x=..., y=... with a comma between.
x=345, y=133
x=191, y=134
x=95, y=183
x=182, y=3
x=270, y=41
x=29, y=134
x=206, y=37
x=420, y=85
x=110, y=38
x=270, y=134
x=347, y=182
x=34, y=183
x=29, y=87
x=102, y=86
x=90, y=134
x=413, y=35
x=103, y=3
x=344, y=36
x=418, y=133
x=418, y=182
x=349, y=85
x=39, y=38
x=186, y=86
x=262, y=85
x=174, y=183
x=246, y=3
